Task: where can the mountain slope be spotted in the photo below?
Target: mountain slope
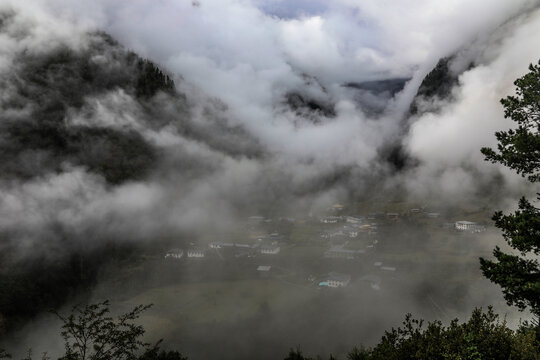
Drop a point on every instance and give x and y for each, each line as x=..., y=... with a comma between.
x=92, y=107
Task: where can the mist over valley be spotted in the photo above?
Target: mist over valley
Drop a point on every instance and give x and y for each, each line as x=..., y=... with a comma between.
x=270, y=175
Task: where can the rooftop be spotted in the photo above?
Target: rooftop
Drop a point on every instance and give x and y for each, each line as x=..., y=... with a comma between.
x=335, y=276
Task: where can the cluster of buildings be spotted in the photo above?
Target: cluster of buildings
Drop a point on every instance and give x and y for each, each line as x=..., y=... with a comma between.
x=335, y=279
x=174, y=254
x=266, y=245
x=364, y=221
x=461, y=225
x=349, y=231
x=190, y=253
x=348, y=237
x=469, y=226
x=464, y=226
x=352, y=229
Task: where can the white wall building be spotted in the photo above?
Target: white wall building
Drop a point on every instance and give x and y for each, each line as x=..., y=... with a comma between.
x=270, y=249
x=338, y=280
x=174, y=254
x=469, y=226
x=331, y=219
x=354, y=220
x=195, y=253
x=464, y=225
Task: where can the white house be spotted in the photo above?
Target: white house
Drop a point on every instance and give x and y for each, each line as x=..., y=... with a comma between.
x=174, y=254
x=354, y=220
x=271, y=249
x=469, y=226
x=335, y=280
x=195, y=253
x=464, y=225
x=330, y=219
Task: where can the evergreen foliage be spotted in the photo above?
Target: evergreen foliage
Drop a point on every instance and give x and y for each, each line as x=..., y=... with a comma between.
x=438, y=83
x=519, y=149
x=483, y=336
x=45, y=88
x=155, y=353
x=151, y=79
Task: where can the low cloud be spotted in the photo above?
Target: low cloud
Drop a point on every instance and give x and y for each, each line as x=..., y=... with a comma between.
x=220, y=157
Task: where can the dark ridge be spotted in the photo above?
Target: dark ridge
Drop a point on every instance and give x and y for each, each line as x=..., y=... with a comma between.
x=373, y=97
x=48, y=88
x=303, y=105
x=437, y=84
x=439, y=81
x=151, y=80
x=118, y=156
x=52, y=84
x=392, y=86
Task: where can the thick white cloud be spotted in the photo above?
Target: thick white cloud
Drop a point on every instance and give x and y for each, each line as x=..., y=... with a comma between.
x=452, y=137
x=240, y=52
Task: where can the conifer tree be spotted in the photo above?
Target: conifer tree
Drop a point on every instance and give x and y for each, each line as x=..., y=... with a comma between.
x=519, y=149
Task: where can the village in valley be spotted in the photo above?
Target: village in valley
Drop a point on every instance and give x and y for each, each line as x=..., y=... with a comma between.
x=335, y=249
x=343, y=264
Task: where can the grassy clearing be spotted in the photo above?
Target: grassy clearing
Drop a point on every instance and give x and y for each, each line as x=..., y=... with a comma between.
x=306, y=233
x=202, y=303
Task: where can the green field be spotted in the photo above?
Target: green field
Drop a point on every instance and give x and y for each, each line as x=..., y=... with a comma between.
x=414, y=244
x=184, y=305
